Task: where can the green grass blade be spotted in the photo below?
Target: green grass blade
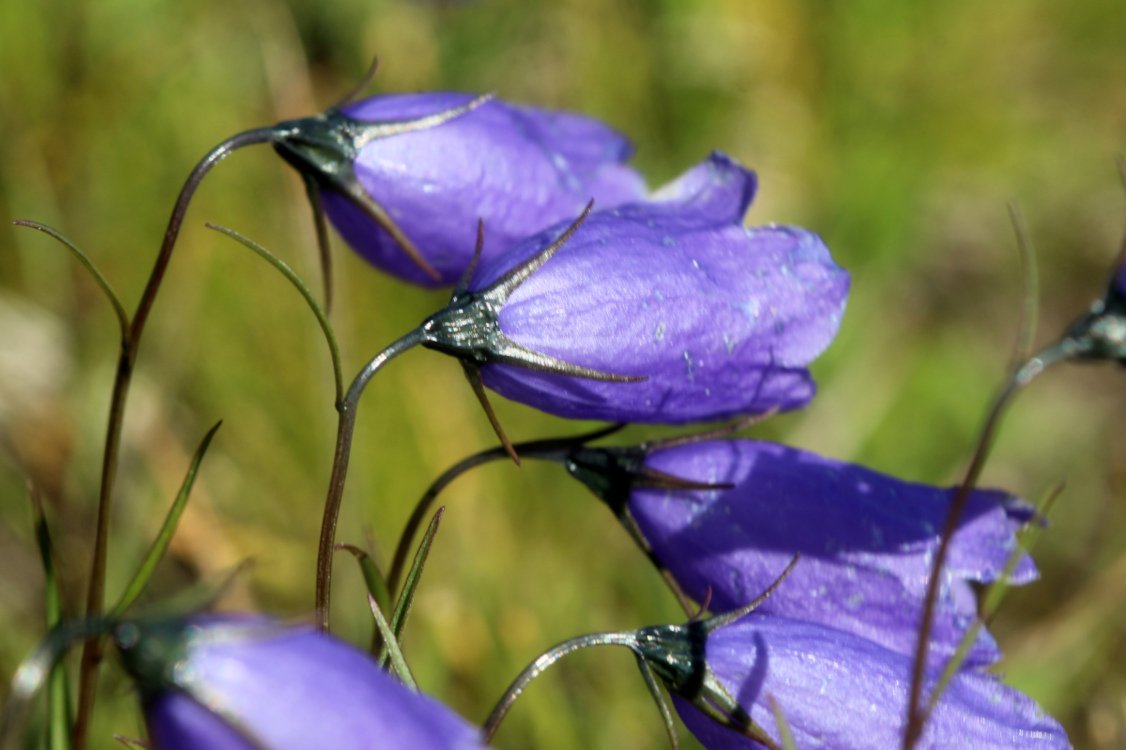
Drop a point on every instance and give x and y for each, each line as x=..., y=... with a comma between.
x=167, y=529
x=394, y=652
x=414, y=575
x=784, y=732
x=59, y=714
x=373, y=578
x=994, y=596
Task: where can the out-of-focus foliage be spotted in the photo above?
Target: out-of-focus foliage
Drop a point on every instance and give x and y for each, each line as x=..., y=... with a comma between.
x=897, y=130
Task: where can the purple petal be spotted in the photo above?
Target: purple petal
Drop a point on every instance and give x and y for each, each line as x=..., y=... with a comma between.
x=177, y=722
x=837, y=690
x=718, y=319
x=297, y=688
x=1118, y=282
x=866, y=541
x=519, y=169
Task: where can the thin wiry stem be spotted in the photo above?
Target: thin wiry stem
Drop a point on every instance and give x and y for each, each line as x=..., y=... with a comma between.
x=324, y=250
x=914, y=728
x=541, y=664
x=95, y=598
x=531, y=449
x=916, y=710
x=346, y=426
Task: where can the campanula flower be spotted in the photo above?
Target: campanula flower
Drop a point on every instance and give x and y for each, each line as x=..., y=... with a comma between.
x=667, y=310
x=834, y=689
x=240, y=683
x=434, y=163
x=866, y=539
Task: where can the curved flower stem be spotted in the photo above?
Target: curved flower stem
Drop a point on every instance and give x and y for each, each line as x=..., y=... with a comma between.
x=130, y=345
x=541, y=664
x=531, y=449
x=346, y=426
x=424, y=503
x=916, y=710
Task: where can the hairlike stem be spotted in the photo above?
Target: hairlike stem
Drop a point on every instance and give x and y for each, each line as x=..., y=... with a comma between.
x=641, y=643
x=531, y=449
x=346, y=426
x=541, y=664
x=916, y=708
x=130, y=345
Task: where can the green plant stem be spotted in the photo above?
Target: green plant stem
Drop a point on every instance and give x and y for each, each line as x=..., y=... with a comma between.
x=916, y=710
x=130, y=345
x=346, y=426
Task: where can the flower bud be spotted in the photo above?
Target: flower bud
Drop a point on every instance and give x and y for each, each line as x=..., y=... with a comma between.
x=436, y=163
x=248, y=683
x=667, y=311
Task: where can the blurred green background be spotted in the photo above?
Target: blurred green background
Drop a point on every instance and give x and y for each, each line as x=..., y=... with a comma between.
x=899, y=131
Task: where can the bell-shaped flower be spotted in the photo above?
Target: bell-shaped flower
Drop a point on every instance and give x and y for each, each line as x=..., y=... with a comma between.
x=241, y=683
x=421, y=169
x=667, y=310
x=724, y=516
x=833, y=689
x=733, y=674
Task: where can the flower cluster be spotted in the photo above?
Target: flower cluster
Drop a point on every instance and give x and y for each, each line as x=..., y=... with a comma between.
x=581, y=293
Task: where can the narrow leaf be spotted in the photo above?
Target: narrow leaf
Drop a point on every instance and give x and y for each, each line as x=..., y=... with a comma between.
x=103, y=283
x=398, y=661
x=300, y=286
x=373, y=578
x=414, y=575
x=784, y=732
x=164, y=537
x=59, y=716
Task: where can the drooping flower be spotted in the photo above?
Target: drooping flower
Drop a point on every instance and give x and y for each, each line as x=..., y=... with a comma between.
x=866, y=539
x=241, y=683
x=434, y=163
x=667, y=310
x=730, y=675
x=834, y=690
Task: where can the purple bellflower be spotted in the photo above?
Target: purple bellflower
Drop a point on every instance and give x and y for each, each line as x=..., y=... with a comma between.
x=731, y=674
x=668, y=310
x=834, y=690
x=248, y=683
x=724, y=516
x=426, y=167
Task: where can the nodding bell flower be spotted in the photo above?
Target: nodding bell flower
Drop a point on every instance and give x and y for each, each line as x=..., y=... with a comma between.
x=833, y=689
x=668, y=310
x=731, y=674
x=416, y=172
x=723, y=516
x=249, y=683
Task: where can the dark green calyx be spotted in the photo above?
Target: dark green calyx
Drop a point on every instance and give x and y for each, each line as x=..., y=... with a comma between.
x=610, y=473
x=677, y=654
x=467, y=328
x=152, y=653
x=1101, y=333
x=323, y=146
